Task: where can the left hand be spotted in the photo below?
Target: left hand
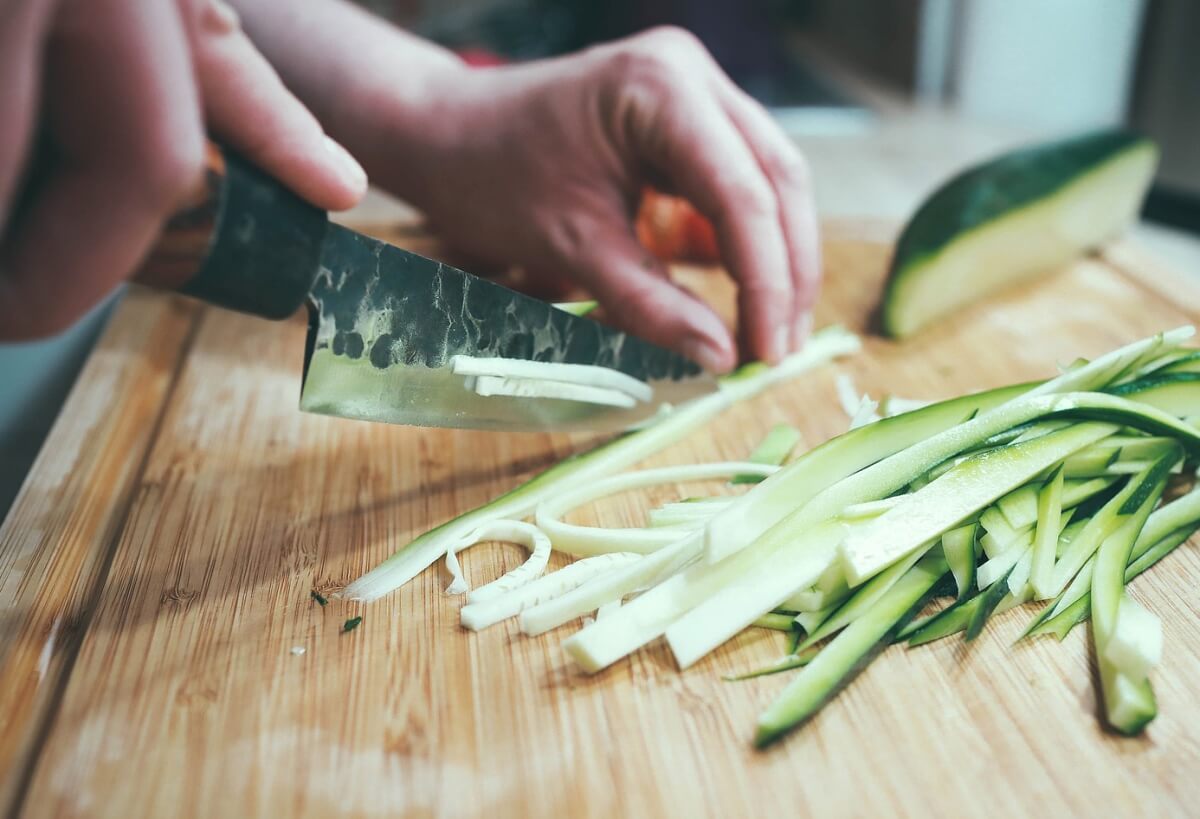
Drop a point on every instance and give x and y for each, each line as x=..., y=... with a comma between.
x=543, y=165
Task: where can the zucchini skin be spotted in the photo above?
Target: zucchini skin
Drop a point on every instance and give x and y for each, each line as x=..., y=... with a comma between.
x=986, y=192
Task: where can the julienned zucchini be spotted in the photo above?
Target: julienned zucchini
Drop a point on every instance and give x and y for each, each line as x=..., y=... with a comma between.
x=1019, y=215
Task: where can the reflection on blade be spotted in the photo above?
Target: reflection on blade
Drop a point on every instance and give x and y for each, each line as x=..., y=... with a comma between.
x=386, y=323
x=424, y=396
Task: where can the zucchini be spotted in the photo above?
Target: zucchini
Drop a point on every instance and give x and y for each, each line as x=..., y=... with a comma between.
x=1020, y=215
x=959, y=547
x=850, y=651
x=1129, y=703
x=774, y=450
x=1060, y=624
x=1045, y=541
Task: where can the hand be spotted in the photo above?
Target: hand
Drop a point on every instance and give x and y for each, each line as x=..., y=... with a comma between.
x=123, y=93
x=543, y=165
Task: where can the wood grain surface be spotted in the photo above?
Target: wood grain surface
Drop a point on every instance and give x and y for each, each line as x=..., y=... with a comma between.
x=185, y=697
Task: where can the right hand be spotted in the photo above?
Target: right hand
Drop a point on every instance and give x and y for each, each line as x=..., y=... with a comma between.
x=125, y=93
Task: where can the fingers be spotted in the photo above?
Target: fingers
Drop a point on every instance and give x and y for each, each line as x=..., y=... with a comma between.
x=674, y=122
x=637, y=294
x=21, y=36
x=125, y=121
x=788, y=175
x=247, y=106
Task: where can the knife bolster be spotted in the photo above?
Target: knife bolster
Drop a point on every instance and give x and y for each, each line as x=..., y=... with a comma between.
x=241, y=241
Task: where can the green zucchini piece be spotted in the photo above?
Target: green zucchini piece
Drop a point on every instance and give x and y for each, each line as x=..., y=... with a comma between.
x=605, y=459
x=578, y=308
x=776, y=622
x=1020, y=506
x=791, y=662
x=1137, y=641
x=1021, y=214
x=862, y=601
x=1045, y=540
x=959, y=548
x=988, y=601
x=1189, y=362
x=850, y=651
x=1077, y=612
x=925, y=515
x=1112, y=515
x=1129, y=702
x=1175, y=392
x=773, y=451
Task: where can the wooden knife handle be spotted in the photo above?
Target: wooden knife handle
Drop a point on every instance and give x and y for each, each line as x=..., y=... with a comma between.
x=240, y=240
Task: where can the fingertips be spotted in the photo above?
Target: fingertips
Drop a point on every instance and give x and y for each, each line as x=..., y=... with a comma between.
x=639, y=297
x=787, y=173
x=248, y=107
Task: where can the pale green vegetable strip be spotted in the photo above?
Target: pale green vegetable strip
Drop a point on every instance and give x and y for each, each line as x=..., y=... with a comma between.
x=1020, y=507
x=649, y=615
x=773, y=450
x=848, y=652
x=1166, y=528
x=1128, y=699
x=781, y=554
x=776, y=622
x=929, y=512
x=476, y=616
x=578, y=308
x=1136, y=643
x=606, y=459
x=1085, y=544
x=612, y=585
x=863, y=599
x=582, y=541
x=780, y=495
x=1045, y=541
x=959, y=547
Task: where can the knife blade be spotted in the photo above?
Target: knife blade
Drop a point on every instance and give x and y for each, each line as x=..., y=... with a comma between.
x=385, y=324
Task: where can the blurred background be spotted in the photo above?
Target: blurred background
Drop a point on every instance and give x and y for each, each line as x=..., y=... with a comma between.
x=886, y=99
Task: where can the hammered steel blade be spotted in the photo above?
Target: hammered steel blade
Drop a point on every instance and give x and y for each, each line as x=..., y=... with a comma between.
x=384, y=324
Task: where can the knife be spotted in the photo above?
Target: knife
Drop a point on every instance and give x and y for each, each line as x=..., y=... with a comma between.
x=385, y=324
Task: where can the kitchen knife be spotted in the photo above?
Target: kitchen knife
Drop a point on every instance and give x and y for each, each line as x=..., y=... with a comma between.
x=385, y=323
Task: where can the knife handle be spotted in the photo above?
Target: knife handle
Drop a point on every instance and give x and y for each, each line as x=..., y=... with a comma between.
x=240, y=240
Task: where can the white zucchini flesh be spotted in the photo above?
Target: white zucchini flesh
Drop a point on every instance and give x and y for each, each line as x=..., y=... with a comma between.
x=1136, y=643
x=613, y=456
x=581, y=541
x=490, y=385
x=1019, y=507
x=510, y=531
x=869, y=509
x=587, y=375
x=488, y=612
x=926, y=514
x=613, y=585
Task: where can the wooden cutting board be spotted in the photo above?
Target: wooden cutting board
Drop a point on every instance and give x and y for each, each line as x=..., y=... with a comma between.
x=155, y=577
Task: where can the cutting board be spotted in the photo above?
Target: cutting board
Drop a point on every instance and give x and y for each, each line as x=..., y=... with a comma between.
x=161, y=656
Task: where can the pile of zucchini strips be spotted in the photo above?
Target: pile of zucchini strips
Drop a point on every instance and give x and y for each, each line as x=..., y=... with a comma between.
x=1060, y=491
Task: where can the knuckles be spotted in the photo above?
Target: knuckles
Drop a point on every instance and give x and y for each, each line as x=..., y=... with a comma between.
x=661, y=57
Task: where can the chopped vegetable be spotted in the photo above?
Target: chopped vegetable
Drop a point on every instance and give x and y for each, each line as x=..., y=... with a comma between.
x=605, y=459
x=773, y=450
x=318, y=597
x=351, y=624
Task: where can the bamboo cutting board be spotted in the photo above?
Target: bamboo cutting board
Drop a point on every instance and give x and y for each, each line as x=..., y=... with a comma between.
x=155, y=577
